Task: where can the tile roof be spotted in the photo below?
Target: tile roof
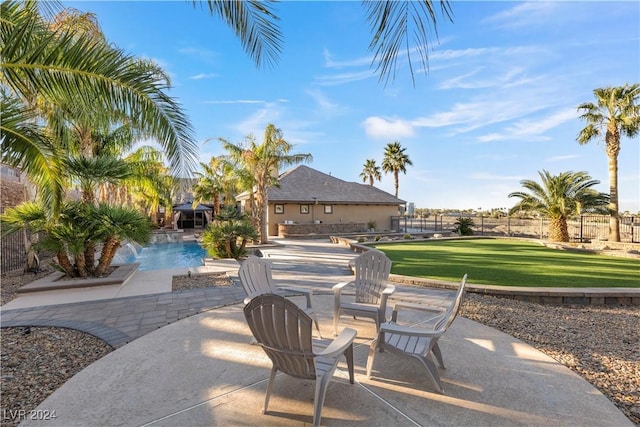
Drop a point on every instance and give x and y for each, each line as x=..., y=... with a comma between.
x=303, y=184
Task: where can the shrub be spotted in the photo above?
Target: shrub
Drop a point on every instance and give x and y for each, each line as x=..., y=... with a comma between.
x=464, y=226
x=228, y=234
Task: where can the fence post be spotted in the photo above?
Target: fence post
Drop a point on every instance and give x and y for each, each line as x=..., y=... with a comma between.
x=481, y=225
x=541, y=227
x=508, y=225
x=581, y=223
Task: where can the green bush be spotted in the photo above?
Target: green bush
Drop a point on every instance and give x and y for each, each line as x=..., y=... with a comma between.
x=464, y=226
x=228, y=234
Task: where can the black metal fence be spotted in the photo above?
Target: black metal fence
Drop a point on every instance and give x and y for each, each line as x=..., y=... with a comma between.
x=12, y=252
x=583, y=229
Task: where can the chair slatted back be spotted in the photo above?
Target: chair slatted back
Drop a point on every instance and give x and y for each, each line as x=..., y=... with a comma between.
x=284, y=332
x=372, y=269
x=255, y=276
x=449, y=316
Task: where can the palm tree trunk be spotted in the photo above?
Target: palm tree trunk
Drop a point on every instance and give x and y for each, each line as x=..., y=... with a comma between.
x=108, y=252
x=65, y=263
x=81, y=265
x=395, y=177
x=558, y=230
x=90, y=256
x=613, y=148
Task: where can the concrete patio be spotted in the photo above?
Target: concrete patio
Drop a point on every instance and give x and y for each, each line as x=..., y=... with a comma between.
x=202, y=370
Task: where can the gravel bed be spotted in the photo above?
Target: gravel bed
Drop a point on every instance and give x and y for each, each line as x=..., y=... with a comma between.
x=600, y=343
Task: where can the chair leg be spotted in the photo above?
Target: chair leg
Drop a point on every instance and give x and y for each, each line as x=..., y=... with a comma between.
x=336, y=317
x=371, y=357
x=349, y=355
x=432, y=370
x=315, y=321
x=269, y=389
x=438, y=354
x=321, y=391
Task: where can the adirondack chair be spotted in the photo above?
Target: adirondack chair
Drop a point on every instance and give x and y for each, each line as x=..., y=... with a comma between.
x=371, y=270
x=256, y=278
x=417, y=341
x=284, y=332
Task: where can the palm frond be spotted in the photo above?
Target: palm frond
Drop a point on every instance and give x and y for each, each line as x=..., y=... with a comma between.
x=254, y=23
x=397, y=23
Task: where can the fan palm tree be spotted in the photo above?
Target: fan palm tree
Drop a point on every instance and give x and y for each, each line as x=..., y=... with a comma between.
x=264, y=162
x=616, y=112
x=560, y=197
x=79, y=223
x=370, y=172
x=395, y=161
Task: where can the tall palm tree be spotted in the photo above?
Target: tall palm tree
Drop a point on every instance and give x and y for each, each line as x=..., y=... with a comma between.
x=391, y=23
x=370, y=172
x=264, y=162
x=395, y=161
x=616, y=112
x=560, y=197
x=215, y=180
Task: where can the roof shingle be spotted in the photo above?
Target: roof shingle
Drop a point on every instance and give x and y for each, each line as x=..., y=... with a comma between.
x=303, y=184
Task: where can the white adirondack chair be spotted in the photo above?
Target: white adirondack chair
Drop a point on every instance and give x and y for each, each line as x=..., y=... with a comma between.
x=284, y=332
x=371, y=270
x=256, y=278
x=420, y=340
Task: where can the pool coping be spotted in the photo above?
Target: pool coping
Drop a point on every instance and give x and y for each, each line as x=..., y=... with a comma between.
x=53, y=281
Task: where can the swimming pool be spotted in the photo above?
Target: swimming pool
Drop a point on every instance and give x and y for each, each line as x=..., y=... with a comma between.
x=162, y=256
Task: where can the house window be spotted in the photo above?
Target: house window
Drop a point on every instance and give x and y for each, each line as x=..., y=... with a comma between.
x=328, y=209
x=278, y=209
x=304, y=209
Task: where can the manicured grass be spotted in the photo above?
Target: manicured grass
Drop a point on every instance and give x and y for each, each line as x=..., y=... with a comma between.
x=510, y=263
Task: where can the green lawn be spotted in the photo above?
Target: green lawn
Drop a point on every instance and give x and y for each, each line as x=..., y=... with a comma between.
x=510, y=263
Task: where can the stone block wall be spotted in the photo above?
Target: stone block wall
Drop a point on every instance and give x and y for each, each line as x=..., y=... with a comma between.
x=286, y=230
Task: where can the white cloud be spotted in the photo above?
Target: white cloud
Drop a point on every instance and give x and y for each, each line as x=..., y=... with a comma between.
x=329, y=62
x=378, y=127
x=237, y=101
x=325, y=105
x=343, y=78
x=202, y=76
x=493, y=177
x=562, y=158
x=524, y=15
x=532, y=129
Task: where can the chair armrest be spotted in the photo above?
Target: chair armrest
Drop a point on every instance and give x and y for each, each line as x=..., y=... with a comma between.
x=339, y=286
x=419, y=307
x=340, y=344
x=414, y=331
x=306, y=292
x=390, y=289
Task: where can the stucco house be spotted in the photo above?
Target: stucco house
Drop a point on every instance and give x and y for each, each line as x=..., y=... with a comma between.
x=311, y=202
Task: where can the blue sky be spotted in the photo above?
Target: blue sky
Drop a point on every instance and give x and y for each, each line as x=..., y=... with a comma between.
x=497, y=105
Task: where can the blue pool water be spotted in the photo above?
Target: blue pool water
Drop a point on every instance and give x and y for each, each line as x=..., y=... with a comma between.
x=162, y=256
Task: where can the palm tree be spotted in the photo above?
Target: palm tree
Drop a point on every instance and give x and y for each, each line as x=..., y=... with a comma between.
x=560, y=197
x=228, y=234
x=370, y=172
x=615, y=113
x=79, y=225
x=264, y=162
x=255, y=23
x=395, y=161
x=216, y=180
x=66, y=67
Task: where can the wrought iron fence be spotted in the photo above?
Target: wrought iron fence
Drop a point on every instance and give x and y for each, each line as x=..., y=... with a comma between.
x=12, y=251
x=583, y=229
